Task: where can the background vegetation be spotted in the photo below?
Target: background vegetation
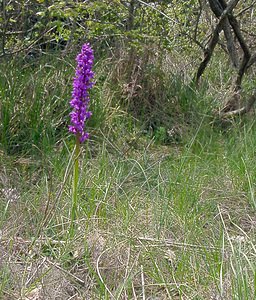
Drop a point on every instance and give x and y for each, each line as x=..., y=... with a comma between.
x=167, y=183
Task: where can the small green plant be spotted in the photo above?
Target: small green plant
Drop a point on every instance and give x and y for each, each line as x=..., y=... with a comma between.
x=161, y=135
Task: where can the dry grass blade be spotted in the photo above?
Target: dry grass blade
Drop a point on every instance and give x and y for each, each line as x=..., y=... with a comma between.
x=169, y=243
x=99, y=274
x=143, y=283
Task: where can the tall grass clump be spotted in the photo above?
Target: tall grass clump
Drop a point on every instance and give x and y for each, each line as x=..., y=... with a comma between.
x=33, y=110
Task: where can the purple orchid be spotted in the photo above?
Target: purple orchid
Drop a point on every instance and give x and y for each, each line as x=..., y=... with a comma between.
x=80, y=96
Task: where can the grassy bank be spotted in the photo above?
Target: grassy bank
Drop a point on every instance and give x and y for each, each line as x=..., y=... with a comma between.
x=166, y=201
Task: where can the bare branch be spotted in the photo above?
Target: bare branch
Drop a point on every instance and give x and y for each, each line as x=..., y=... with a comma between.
x=245, y=48
x=214, y=40
x=243, y=110
x=251, y=61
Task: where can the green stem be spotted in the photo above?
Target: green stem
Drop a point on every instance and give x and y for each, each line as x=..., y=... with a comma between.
x=75, y=187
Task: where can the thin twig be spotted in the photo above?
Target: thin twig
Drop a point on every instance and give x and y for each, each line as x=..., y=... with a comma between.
x=159, y=11
x=245, y=9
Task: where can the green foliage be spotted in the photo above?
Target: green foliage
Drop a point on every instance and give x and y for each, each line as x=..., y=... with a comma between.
x=161, y=135
x=50, y=23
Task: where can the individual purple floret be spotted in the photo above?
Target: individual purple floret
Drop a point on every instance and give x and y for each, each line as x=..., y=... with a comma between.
x=80, y=97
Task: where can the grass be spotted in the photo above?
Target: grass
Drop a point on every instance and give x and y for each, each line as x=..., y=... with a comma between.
x=154, y=220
